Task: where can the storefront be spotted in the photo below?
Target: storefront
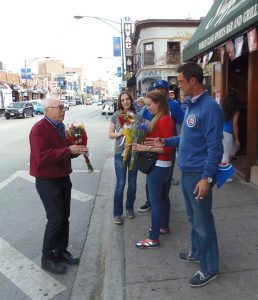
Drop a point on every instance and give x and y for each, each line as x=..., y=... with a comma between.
x=226, y=42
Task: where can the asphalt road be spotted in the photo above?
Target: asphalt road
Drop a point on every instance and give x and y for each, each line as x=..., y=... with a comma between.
x=22, y=217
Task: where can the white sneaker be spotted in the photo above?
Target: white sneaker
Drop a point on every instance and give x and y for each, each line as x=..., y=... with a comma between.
x=229, y=179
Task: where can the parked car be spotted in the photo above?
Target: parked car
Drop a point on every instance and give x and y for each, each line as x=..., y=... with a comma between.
x=19, y=109
x=38, y=106
x=110, y=108
x=72, y=102
x=78, y=101
x=66, y=104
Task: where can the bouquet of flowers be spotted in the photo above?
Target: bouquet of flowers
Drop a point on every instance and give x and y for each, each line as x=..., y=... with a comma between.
x=139, y=131
x=126, y=122
x=78, y=136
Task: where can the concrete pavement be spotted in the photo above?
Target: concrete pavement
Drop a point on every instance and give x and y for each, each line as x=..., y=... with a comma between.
x=112, y=268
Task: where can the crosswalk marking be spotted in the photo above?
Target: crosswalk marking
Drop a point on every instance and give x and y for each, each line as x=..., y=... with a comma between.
x=77, y=195
x=29, y=277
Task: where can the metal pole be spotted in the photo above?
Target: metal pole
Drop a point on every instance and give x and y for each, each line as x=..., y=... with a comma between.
x=122, y=48
x=25, y=73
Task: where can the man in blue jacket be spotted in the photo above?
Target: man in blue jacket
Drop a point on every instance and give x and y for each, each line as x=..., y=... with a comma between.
x=200, y=151
x=177, y=114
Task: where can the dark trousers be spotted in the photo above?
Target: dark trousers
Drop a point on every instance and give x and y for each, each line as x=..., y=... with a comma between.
x=55, y=195
x=173, y=160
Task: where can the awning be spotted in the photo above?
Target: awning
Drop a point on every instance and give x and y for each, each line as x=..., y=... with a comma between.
x=17, y=88
x=224, y=20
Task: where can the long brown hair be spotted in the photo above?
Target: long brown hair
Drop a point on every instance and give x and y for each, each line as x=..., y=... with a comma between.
x=119, y=102
x=158, y=98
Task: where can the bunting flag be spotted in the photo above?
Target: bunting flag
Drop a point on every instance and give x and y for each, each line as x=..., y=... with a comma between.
x=239, y=41
x=231, y=50
x=204, y=60
x=252, y=40
x=224, y=171
x=222, y=53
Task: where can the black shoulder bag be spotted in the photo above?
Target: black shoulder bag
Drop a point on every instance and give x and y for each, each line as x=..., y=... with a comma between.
x=147, y=161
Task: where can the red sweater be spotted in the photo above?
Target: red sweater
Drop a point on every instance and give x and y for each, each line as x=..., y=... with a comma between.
x=50, y=156
x=164, y=128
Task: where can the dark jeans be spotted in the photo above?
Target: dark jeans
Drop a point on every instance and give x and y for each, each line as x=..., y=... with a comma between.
x=55, y=195
x=159, y=186
x=147, y=202
x=121, y=173
x=204, y=237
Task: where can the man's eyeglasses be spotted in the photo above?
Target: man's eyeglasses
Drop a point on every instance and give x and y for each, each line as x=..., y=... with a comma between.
x=60, y=107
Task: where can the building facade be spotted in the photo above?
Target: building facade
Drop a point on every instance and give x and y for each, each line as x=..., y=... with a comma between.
x=157, y=51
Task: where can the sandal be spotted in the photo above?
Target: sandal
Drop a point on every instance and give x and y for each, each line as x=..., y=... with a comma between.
x=147, y=244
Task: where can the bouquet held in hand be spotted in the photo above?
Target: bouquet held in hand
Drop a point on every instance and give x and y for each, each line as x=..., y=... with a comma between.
x=126, y=122
x=78, y=136
x=139, y=131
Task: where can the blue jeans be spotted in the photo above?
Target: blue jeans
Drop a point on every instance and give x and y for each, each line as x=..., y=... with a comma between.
x=204, y=237
x=121, y=173
x=158, y=181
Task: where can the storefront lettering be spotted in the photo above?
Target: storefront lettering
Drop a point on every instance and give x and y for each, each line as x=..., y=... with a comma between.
x=227, y=29
x=250, y=13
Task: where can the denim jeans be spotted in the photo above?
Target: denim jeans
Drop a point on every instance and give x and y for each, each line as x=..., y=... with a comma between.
x=204, y=237
x=159, y=183
x=121, y=174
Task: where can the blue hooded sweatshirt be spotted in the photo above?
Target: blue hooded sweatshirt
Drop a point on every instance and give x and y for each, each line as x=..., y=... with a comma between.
x=200, y=144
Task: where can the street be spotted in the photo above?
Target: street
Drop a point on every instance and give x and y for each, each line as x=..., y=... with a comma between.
x=22, y=216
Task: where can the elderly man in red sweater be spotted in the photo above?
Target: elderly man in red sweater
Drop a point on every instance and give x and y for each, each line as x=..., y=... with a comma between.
x=50, y=164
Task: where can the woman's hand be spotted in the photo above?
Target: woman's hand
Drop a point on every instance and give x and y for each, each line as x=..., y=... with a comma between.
x=139, y=147
x=119, y=134
x=237, y=142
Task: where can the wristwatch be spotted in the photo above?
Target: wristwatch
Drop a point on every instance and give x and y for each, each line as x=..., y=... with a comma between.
x=208, y=179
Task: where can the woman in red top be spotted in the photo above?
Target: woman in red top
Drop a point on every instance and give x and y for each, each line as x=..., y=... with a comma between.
x=158, y=179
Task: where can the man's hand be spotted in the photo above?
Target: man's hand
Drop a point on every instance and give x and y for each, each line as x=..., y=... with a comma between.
x=201, y=189
x=155, y=142
x=78, y=149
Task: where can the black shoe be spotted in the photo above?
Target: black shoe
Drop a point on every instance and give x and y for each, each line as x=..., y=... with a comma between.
x=187, y=256
x=201, y=279
x=53, y=266
x=67, y=258
x=145, y=207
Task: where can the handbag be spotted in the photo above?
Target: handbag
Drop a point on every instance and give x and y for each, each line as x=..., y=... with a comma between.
x=147, y=161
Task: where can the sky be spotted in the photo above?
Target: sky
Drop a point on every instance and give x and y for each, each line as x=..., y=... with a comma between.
x=32, y=29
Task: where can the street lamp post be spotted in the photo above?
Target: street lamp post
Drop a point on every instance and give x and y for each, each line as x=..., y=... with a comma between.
x=120, y=30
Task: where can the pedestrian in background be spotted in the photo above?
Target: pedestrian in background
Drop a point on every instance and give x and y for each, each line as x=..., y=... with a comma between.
x=231, y=142
x=200, y=151
x=50, y=164
x=125, y=106
x=106, y=109
x=159, y=178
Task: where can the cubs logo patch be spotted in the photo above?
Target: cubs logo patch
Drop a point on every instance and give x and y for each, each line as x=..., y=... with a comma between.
x=191, y=121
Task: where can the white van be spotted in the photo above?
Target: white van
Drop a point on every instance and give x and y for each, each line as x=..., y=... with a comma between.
x=6, y=96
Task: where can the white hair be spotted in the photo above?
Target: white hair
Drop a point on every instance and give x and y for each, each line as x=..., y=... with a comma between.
x=47, y=102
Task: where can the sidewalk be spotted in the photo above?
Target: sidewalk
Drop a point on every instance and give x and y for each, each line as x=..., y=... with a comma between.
x=154, y=274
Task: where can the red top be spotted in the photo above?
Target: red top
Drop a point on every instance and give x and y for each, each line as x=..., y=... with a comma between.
x=50, y=156
x=164, y=128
